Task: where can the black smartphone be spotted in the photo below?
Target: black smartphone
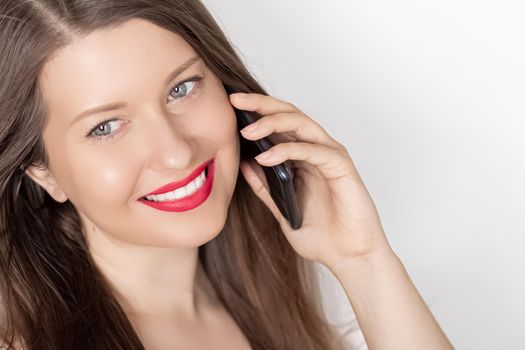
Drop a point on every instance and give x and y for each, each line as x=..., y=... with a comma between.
x=279, y=177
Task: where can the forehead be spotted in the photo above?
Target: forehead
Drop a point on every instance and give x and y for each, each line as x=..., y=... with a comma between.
x=110, y=64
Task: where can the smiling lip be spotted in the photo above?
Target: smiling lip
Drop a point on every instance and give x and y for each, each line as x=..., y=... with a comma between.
x=174, y=185
x=189, y=202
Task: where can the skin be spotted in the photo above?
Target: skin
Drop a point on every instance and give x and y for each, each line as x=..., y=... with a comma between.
x=149, y=256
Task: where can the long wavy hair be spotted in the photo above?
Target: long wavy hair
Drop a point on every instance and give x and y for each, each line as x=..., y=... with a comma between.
x=52, y=294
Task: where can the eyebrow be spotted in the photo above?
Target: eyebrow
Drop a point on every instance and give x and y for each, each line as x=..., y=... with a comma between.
x=118, y=105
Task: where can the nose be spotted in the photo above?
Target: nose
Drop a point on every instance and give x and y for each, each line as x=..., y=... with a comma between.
x=167, y=143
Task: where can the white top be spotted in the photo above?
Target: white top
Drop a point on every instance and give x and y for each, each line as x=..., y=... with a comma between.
x=338, y=309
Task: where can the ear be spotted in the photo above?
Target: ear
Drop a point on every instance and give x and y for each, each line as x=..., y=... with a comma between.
x=42, y=176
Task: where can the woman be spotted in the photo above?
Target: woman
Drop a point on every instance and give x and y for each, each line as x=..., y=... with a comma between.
x=104, y=102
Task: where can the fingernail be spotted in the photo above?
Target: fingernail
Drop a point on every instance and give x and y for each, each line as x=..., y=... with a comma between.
x=240, y=95
x=250, y=128
x=264, y=156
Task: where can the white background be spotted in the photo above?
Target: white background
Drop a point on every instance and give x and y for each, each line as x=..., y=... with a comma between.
x=428, y=97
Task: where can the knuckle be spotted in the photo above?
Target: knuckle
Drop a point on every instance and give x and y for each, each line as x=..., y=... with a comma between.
x=343, y=148
x=300, y=129
x=291, y=105
x=303, y=122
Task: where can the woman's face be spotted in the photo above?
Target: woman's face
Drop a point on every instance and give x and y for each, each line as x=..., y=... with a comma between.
x=165, y=127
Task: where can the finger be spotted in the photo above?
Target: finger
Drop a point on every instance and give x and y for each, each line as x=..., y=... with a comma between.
x=257, y=181
x=296, y=126
x=332, y=164
x=262, y=104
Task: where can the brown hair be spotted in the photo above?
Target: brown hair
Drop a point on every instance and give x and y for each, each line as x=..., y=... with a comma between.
x=53, y=295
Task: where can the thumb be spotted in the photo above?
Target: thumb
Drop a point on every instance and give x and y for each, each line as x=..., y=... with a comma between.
x=256, y=178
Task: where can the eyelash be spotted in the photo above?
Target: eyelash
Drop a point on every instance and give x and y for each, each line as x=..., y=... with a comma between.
x=195, y=79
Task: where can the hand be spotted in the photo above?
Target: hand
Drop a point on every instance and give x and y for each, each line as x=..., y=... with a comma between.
x=340, y=220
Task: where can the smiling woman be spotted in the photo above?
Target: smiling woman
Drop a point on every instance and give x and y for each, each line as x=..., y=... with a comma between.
x=124, y=223
x=109, y=113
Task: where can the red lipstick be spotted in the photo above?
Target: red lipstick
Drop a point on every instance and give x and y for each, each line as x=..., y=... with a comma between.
x=189, y=202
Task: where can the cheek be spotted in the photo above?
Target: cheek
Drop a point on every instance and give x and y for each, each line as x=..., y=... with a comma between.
x=89, y=178
x=221, y=123
x=223, y=132
x=104, y=180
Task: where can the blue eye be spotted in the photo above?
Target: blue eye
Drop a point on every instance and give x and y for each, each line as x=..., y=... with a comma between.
x=182, y=91
x=103, y=127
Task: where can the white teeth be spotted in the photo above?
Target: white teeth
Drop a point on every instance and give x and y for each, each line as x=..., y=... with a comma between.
x=180, y=192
